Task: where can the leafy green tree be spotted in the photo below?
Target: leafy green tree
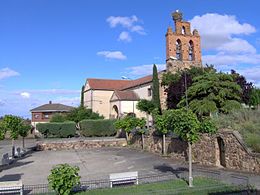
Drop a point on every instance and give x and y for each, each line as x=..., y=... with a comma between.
x=146, y=106
x=23, y=131
x=156, y=92
x=140, y=125
x=211, y=93
x=82, y=96
x=80, y=113
x=254, y=97
x=64, y=178
x=162, y=125
x=2, y=130
x=58, y=118
x=12, y=124
x=185, y=123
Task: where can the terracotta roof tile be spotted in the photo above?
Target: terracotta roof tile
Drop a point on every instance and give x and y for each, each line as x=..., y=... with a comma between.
x=137, y=82
x=107, y=84
x=127, y=95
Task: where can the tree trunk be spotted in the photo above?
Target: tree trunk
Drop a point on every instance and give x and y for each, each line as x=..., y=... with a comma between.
x=23, y=143
x=126, y=135
x=163, y=145
x=190, y=167
x=147, y=121
x=142, y=141
x=13, y=148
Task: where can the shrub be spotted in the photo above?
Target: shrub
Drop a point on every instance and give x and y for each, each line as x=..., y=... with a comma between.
x=58, y=118
x=208, y=126
x=89, y=128
x=64, y=178
x=65, y=129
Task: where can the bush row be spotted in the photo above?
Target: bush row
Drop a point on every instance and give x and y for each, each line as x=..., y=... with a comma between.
x=90, y=128
x=65, y=129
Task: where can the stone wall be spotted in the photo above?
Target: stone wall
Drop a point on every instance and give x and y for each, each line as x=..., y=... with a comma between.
x=207, y=150
x=80, y=144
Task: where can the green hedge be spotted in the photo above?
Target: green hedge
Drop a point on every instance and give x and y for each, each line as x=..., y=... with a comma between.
x=65, y=129
x=89, y=128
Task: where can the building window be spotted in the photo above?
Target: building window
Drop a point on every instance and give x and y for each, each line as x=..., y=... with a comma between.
x=149, y=92
x=46, y=116
x=191, y=51
x=178, y=50
x=36, y=116
x=183, y=30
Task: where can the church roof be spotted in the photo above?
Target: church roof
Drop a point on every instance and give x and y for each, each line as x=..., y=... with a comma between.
x=109, y=84
x=128, y=95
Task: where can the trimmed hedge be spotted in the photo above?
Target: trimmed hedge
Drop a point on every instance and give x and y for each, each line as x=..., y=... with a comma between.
x=91, y=128
x=61, y=130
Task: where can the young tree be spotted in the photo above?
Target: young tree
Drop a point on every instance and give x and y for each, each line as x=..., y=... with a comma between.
x=23, y=131
x=140, y=125
x=58, y=118
x=12, y=124
x=185, y=123
x=147, y=107
x=161, y=124
x=156, y=92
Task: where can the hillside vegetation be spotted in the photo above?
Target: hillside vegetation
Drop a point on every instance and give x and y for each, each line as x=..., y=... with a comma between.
x=245, y=121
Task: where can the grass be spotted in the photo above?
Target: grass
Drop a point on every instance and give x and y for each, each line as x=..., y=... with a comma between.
x=201, y=186
x=245, y=121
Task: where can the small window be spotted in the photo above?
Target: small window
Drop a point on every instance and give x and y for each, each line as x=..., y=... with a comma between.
x=36, y=116
x=46, y=116
x=183, y=31
x=178, y=50
x=149, y=92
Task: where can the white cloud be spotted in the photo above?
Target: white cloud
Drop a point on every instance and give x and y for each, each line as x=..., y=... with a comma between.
x=129, y=23
x=143, y=70
x=7, y=72
x=219, y=33
x=25, y=95
x=216, y=29
x=118, y=55
x=124, y=36
x=225, y=59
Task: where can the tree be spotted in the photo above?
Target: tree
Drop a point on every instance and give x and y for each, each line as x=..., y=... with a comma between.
x=254, y=97
x=246, y=87
x=156, y=92
x=175, y=83
x=12, y=124
x=80, y=113
x=161, y=124
x=211, y=93
x=140, y=125
x=82, y=96
x=23, y=131
x=64, y=178
x=58, y=118
x=185, y=123
x=146, y=106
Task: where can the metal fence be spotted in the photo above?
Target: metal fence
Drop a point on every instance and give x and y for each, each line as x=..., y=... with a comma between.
x=240, y=181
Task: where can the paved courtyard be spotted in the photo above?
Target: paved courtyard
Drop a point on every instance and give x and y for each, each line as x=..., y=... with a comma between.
x=96, y=164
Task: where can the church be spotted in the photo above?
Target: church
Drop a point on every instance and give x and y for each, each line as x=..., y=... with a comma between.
x=117, y=98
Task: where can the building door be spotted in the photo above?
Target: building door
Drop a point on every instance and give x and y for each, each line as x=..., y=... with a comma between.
x=221, y=146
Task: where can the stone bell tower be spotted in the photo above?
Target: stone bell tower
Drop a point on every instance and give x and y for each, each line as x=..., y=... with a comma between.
x=182, y=46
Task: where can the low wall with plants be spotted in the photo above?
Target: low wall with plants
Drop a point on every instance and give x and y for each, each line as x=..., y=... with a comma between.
x=206, y=151
x=61, y=130
x=97, y=128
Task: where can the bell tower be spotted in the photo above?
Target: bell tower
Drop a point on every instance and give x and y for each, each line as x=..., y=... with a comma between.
x=182, y=46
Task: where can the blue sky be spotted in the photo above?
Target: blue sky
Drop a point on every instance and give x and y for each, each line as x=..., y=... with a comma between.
x=49, y=47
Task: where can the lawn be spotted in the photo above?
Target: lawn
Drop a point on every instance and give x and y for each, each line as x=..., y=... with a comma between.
x=201, y=186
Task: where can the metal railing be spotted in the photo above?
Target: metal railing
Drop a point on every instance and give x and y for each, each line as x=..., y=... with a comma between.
x=238, y=180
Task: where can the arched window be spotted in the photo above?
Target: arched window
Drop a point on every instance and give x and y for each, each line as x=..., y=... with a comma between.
x=183, y=30
x=178, y=50
x=191, y=50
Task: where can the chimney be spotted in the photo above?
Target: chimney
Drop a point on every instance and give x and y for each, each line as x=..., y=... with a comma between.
x=50, y=102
